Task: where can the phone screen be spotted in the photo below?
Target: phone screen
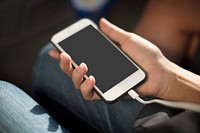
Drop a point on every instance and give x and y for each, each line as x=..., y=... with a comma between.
x=107, y=64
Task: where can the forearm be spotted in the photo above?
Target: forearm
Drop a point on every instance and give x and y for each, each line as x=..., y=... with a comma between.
x=181, y=85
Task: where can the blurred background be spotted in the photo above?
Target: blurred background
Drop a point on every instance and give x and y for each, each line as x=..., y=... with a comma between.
x=27, y=25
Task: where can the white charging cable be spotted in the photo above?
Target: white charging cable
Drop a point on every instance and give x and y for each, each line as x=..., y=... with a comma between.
x=179, y=105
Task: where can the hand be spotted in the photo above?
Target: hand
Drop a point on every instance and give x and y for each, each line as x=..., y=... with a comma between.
x=143, y=52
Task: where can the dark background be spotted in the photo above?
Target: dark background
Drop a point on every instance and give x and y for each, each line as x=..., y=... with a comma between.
x=27, y=25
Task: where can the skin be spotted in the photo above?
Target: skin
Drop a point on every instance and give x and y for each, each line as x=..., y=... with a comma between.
x=166, y=80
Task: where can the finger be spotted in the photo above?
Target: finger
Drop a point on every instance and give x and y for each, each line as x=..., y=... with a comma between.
x=113, y=32
x=54, y=54
x=65, y=63
x=87, y=88
x=125, y=39
x=78, y=74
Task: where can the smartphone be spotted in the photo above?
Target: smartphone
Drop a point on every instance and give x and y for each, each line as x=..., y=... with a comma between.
x=114, y=71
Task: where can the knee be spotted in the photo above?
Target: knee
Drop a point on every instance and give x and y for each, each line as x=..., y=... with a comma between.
x=42, y=56
x=42, y=59
x=43, y=53
x=7, y=90
x=44, y=50
x=43, y=70
x=4, y=85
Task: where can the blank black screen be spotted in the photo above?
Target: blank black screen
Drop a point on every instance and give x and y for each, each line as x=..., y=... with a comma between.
x=104, y=61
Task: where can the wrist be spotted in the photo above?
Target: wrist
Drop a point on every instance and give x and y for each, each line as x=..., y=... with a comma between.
x=167, y=79
x=179, y=84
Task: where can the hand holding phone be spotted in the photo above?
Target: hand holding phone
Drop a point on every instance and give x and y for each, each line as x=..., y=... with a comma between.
x=114, y=71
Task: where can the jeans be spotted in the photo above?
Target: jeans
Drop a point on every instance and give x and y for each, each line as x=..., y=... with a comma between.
x=52, y=85
x=55, y=91
x=19, y=113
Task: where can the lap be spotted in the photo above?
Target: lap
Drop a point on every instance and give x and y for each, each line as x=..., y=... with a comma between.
x=20, y=113
x=52, y=84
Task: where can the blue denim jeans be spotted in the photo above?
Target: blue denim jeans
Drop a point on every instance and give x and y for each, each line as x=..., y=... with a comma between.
x=51, y=84
x=19, y=113
x=66, y=107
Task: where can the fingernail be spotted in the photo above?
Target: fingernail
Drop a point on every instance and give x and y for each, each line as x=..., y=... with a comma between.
x=82, y=65
x=62, y=58
x=91, y=78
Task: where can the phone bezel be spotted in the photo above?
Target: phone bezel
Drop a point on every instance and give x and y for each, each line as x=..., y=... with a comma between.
x=119, y=89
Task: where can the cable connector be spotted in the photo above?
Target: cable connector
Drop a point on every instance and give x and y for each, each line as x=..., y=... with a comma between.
x=133, y=94
x=172, y=104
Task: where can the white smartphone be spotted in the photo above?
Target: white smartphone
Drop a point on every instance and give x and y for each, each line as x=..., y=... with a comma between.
x=114, y=71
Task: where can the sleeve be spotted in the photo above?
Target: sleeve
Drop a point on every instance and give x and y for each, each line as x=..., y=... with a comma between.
x=185, y=122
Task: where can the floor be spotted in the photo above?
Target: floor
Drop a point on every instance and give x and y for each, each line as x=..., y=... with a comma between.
x=27, y=25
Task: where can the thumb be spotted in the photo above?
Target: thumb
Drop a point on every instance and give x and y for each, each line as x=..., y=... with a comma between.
x=113, y=32
x=130, y=43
